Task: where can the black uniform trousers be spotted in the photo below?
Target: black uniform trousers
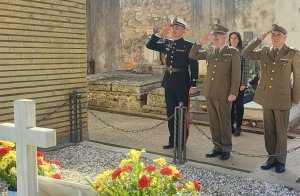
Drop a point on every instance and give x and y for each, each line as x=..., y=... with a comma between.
x=173, y=98
x=237, y=110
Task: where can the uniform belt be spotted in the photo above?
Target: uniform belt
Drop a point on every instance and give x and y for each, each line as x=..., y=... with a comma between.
x=173, y=69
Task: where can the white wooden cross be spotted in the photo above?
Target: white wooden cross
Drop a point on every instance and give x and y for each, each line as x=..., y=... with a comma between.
x=27, y=137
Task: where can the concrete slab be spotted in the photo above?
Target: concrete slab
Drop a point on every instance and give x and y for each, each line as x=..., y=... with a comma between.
x=134, y=132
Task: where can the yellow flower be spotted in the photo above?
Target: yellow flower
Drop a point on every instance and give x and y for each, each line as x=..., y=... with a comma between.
x=104, y=176
x=49, y=173
x=3, y=165
x=135, y=155
x=174, y=169
x=12, y=170
x=123, y=163
x=160, y=161
x=6, y=144
x=190, y=186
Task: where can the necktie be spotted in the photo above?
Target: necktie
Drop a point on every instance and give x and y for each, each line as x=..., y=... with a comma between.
x=217, y=52
x=276, y=52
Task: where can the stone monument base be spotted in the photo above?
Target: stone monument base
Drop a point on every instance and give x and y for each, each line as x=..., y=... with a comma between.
x=141, y=94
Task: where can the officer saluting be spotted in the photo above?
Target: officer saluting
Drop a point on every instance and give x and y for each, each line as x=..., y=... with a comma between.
x=182, y=72
x=274, y=93
x=221, y=86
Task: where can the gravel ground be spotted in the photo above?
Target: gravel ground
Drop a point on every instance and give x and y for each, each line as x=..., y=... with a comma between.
x=88, y=159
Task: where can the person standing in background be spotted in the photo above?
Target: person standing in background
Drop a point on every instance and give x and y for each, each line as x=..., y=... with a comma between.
x=181, y=76
x=237, y=111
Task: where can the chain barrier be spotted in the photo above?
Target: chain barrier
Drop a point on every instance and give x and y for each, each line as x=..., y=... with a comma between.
x=54, y=111
x=245, y=154
x=127, y=130
x=161, y=123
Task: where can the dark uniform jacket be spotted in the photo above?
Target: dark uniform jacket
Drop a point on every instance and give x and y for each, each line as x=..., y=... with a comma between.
x=274, y=89
x=176, y=57
x=223, y=73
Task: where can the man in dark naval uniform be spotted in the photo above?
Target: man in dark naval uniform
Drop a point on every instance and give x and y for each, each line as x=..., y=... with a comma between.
x=182, y=72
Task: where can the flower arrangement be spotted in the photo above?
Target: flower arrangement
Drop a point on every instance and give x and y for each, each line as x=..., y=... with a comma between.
x=8, y=165
x=249, y=90
x=133, y=177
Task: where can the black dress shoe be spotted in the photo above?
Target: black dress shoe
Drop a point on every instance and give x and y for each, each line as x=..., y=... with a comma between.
x=213, y=153
x=267, y=166
x=168, y=146
x=237, y=131
x=225, y=155
x=280, y=168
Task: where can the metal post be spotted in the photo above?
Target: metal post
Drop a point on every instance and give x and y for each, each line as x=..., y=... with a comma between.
x=79, y=117
x=75, y=108
x=180, y=134
x=71, y=109
x=75, y=117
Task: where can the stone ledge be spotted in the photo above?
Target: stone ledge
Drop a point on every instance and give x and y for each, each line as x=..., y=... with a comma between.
x=124, y=81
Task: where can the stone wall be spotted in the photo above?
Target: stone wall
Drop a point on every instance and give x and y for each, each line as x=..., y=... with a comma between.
x=141, y=18
x=125, y=29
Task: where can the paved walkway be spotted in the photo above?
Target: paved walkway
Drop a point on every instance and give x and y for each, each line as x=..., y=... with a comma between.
x=198, y=145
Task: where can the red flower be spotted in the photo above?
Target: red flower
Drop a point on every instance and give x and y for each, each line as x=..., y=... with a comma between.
x=144, y=182
x=56, y=176
x=98, y=186
x=179, y=187
x=150, y=168
x=177, y=175
x=4, y=151
x=116, y=173
x=39, y=162
x=197, y=186
x=249, y=87
x=58, y=163
x=48, y=161
x=166, y=171
x=39, y=154
x=127, y=168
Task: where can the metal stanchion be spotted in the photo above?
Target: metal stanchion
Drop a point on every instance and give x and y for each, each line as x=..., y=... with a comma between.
x=180, y=134
x=75, y=108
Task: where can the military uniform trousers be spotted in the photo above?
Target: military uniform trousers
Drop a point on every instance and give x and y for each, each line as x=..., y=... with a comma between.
x=219, y=111
x=173, y=97
x=276, y=125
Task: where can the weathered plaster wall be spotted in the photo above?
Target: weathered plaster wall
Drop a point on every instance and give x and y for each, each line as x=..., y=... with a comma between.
x=254, y=15
x=103, y=34
x=207, y=12
x=288, y=14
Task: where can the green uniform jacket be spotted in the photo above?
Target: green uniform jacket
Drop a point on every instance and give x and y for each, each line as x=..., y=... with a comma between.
x=223, y=73
x=274, y=89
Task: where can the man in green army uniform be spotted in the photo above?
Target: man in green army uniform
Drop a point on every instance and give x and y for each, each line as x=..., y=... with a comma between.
x=275, y=92
x=220, y=87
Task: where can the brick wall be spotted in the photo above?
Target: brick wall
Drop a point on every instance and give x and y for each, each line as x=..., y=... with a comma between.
x=42, y=57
